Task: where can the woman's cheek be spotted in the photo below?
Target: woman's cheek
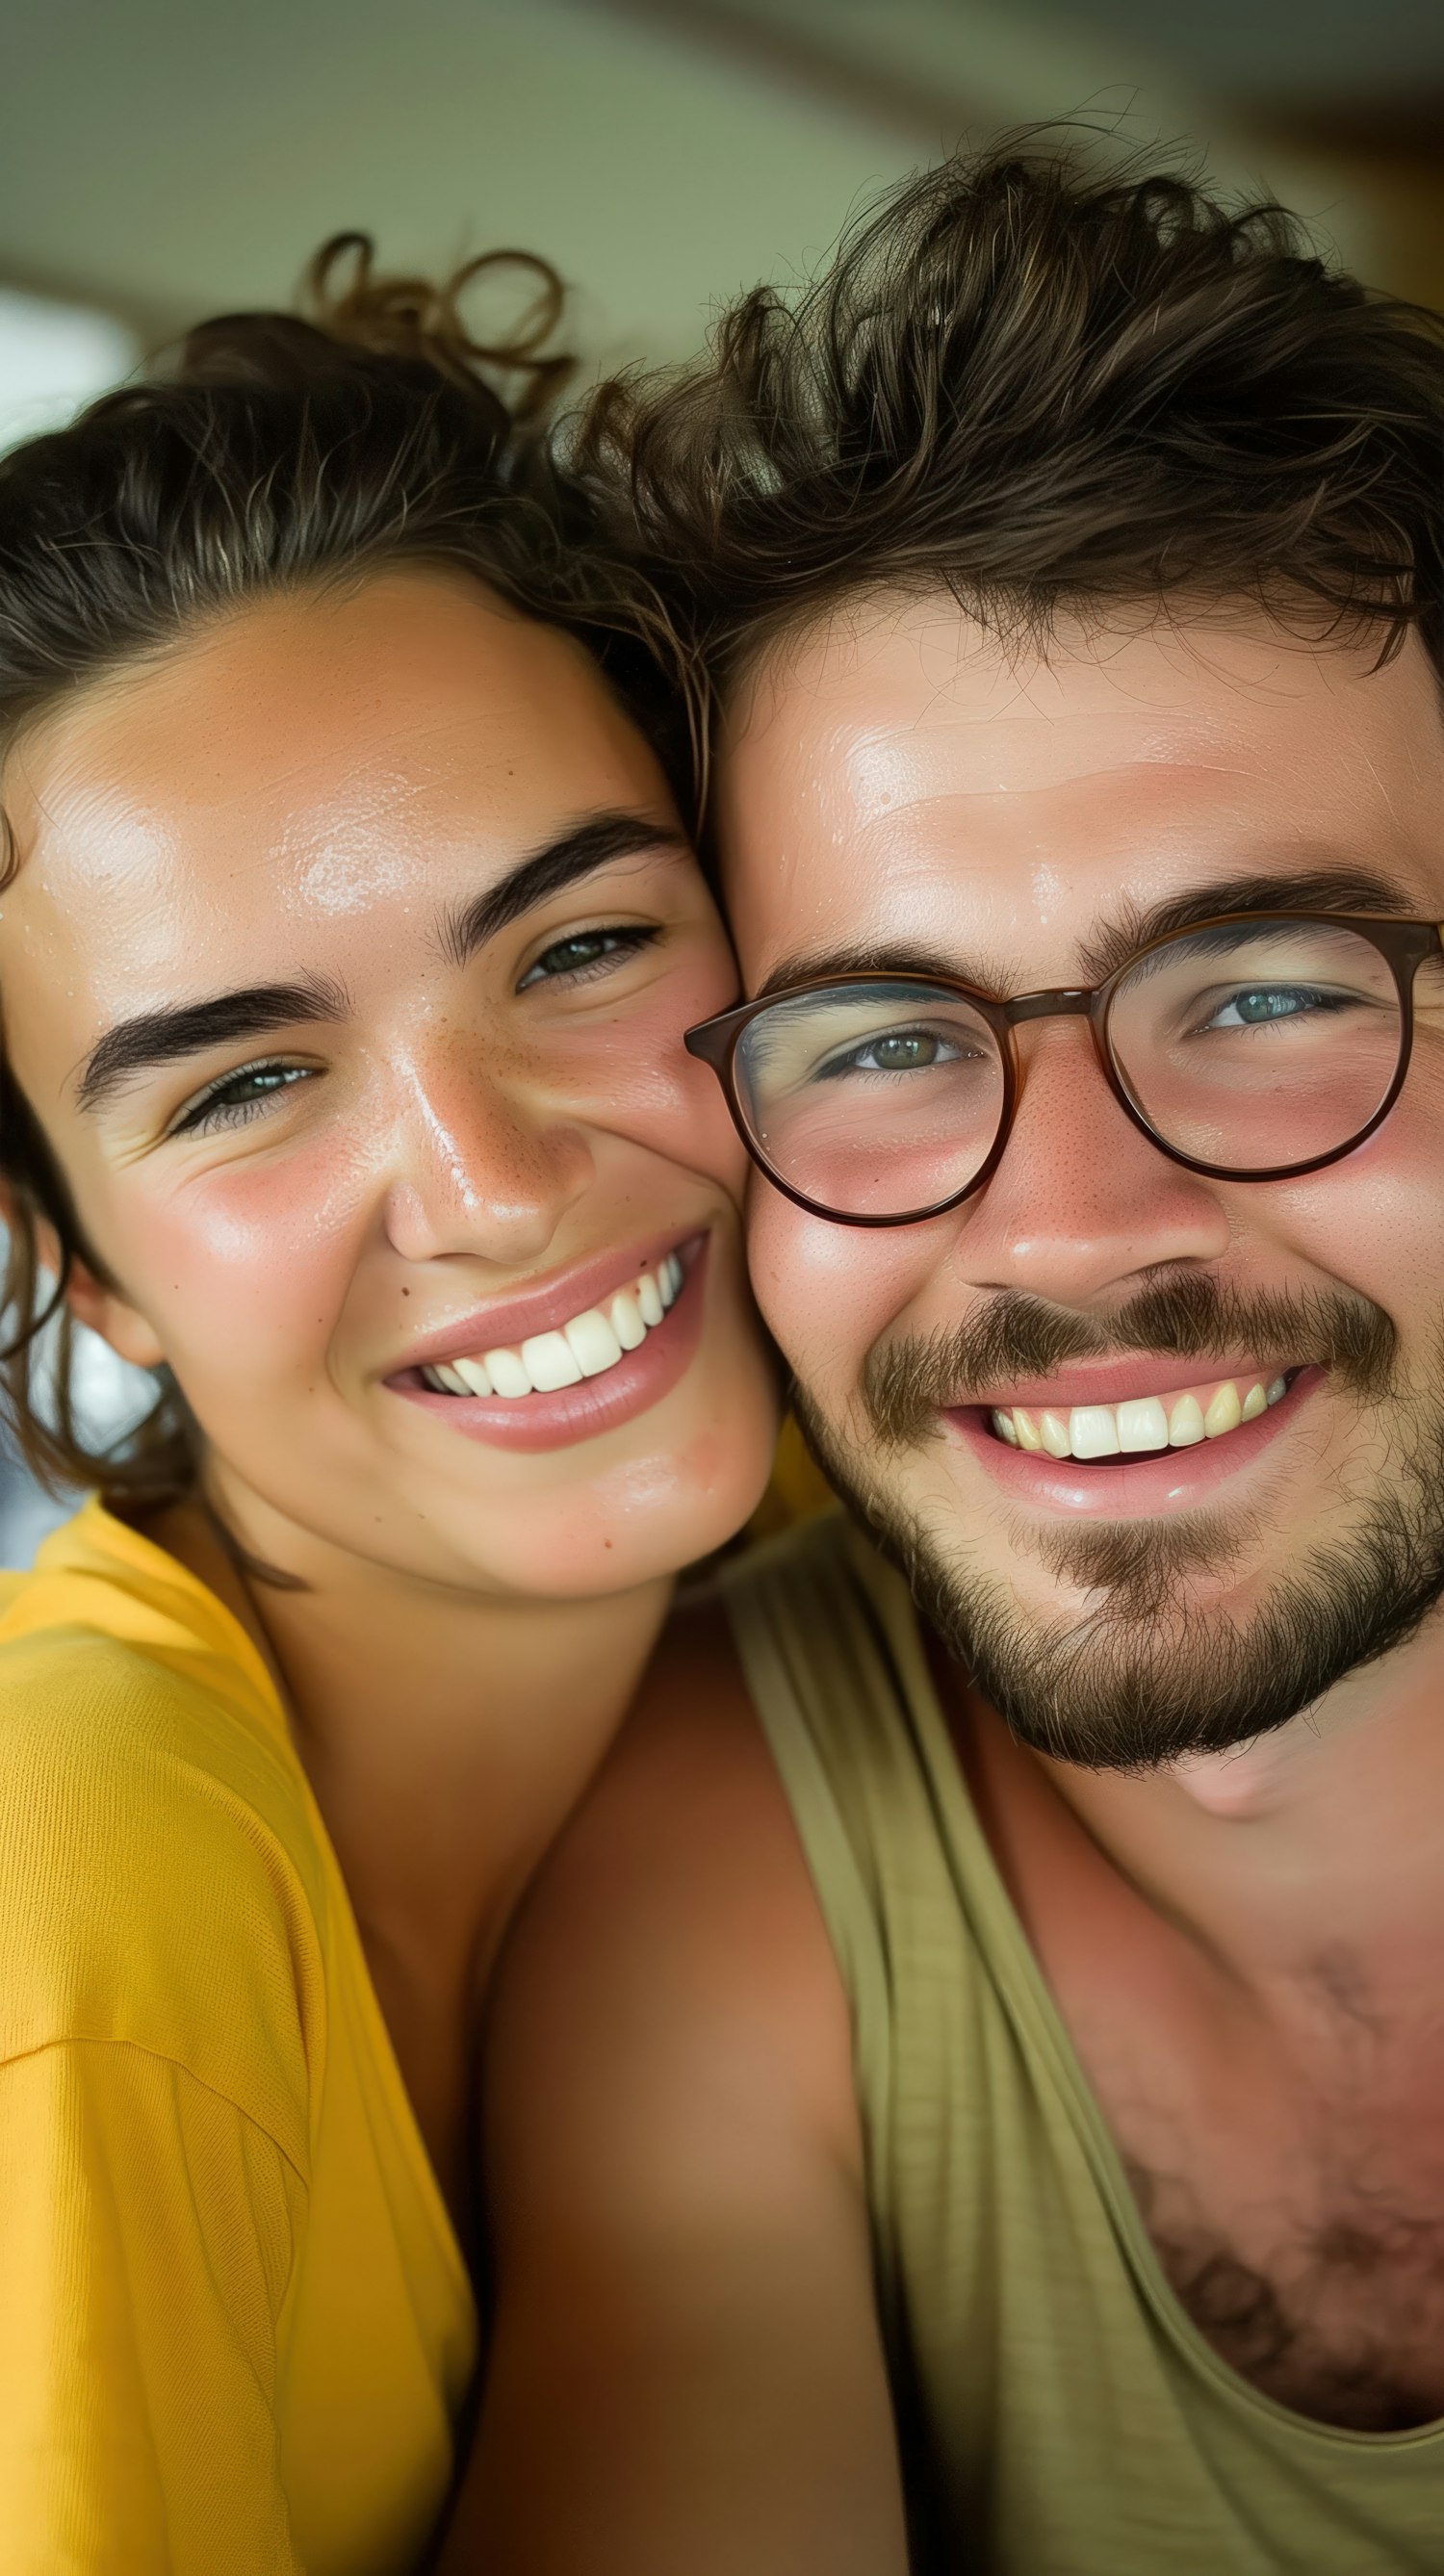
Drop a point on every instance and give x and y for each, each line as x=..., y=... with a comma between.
x=636, y=1080
x=243, y=1273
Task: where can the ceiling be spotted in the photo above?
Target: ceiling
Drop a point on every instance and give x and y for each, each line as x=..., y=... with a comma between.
x=163, y=158
x=1282, y=54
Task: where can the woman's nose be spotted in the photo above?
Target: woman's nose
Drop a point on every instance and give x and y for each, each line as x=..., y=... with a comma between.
x=479, y=1168
x=1082, y=1200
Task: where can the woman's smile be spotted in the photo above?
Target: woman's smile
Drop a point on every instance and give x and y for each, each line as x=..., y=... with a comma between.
x=546, y=1370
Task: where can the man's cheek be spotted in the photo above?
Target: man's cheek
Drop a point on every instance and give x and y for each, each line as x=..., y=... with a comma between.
x=1376, y=1225
x=827, y=1292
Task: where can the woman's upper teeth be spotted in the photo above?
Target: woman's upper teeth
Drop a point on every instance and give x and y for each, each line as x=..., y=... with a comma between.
x=1175, y=1421
x=587, y=1346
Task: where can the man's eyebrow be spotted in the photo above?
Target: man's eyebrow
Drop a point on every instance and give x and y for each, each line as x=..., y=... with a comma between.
x=1316, y=889
x=819, y=965
x=225, y=1019
x=577, y=852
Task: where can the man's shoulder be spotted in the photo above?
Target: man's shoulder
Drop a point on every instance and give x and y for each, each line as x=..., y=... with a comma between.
x=674, y=1930
x=153, y=1870
x=693, y=1782
x=689, y=1814
x=694, y=1723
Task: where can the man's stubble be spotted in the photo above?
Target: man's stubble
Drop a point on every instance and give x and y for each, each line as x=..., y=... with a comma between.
x=1142, y=1675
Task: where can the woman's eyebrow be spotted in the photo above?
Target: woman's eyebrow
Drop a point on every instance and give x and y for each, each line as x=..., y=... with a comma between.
x=162, y=1037
x=576, y=852
x=226, y=1019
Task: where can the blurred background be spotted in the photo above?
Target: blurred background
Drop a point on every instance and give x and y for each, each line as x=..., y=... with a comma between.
x=162, y=159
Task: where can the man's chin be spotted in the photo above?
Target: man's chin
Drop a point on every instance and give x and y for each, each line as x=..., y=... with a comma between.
x=1182, y=1638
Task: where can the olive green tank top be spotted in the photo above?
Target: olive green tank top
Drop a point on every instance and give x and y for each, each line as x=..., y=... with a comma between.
x=1060, y=2413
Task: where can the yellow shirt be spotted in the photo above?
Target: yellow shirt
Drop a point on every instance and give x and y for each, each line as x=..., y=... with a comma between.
x=235, y=2324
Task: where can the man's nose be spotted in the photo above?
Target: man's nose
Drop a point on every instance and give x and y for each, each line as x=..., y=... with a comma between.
x=1082, y=1201
x=478, y=1165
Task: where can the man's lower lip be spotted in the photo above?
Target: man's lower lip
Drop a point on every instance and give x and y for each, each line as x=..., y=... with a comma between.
x=637, y=1382
x=1132, y=1487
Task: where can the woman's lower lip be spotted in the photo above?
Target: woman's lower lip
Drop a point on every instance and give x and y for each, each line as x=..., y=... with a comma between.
x=638, y=1381
x=1174, y=1480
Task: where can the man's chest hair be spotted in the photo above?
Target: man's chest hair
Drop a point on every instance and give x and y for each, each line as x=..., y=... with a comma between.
x=1283, y=2133
x=1313, y=2265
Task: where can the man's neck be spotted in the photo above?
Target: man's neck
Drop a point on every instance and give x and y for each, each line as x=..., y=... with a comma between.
x=1320, y=1840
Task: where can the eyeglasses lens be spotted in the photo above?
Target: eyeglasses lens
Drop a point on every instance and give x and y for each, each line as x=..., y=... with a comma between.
x=1248, y=1045
x=873, y=1100
x=1258, y=1044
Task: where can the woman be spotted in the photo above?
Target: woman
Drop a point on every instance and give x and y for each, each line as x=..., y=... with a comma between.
x=348, y=942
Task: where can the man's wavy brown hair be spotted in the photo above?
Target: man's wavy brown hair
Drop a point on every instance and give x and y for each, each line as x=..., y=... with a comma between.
x=1045, y=385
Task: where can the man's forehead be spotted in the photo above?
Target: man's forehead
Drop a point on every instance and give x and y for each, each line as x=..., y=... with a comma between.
x=869, y=760
x=919, y=695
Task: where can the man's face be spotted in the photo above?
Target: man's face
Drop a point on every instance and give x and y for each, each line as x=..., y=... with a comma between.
x=897, y=789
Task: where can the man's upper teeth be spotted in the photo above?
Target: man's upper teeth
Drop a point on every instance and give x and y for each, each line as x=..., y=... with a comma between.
x=1175, y=1421
x=590, y=1344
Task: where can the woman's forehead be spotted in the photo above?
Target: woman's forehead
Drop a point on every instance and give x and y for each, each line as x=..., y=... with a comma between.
x=303, y=790
x=322, y=753
x=414, y=680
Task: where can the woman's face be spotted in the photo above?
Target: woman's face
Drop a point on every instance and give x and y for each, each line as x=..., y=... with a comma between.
x=346, y=969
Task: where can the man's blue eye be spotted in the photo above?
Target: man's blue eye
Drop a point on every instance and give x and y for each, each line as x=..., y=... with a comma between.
x=1266, y=1002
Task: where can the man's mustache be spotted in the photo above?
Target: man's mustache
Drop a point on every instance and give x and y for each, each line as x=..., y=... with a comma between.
x=906, y=1383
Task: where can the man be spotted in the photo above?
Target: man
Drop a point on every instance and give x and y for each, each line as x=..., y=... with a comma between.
x=1070, y=1964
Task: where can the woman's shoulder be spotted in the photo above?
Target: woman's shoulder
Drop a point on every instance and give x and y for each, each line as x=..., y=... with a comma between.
x=160, y=1873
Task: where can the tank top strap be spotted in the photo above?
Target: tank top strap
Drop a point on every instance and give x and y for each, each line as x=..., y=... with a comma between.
x=832, y=1653
x=818, y=1668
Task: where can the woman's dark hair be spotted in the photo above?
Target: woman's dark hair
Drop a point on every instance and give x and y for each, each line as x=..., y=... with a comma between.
x=1045, y=384
x=278, y=453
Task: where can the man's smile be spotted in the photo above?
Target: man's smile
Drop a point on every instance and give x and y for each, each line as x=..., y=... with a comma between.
x=1108, y=1460
x=1176, y=1419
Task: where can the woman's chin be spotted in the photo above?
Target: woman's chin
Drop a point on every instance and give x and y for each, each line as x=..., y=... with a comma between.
x=588, y=1545
x=634, y=1503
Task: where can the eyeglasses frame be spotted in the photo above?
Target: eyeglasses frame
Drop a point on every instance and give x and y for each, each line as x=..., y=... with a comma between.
x=1402, y=943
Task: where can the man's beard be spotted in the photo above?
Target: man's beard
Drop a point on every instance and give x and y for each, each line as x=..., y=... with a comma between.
x=1141, y=1676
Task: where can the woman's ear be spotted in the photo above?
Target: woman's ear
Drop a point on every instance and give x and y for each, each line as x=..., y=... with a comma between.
x=100, y=1308
x=106, y=1313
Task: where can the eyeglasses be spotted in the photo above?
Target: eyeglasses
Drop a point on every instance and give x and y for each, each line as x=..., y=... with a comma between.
x=1251, y=1047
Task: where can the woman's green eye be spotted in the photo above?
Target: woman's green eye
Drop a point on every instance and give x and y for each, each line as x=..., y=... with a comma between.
x=586, y=952
x=239, y=1097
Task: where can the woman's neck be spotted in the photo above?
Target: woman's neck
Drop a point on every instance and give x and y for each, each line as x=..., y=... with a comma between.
x=447, y=1737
